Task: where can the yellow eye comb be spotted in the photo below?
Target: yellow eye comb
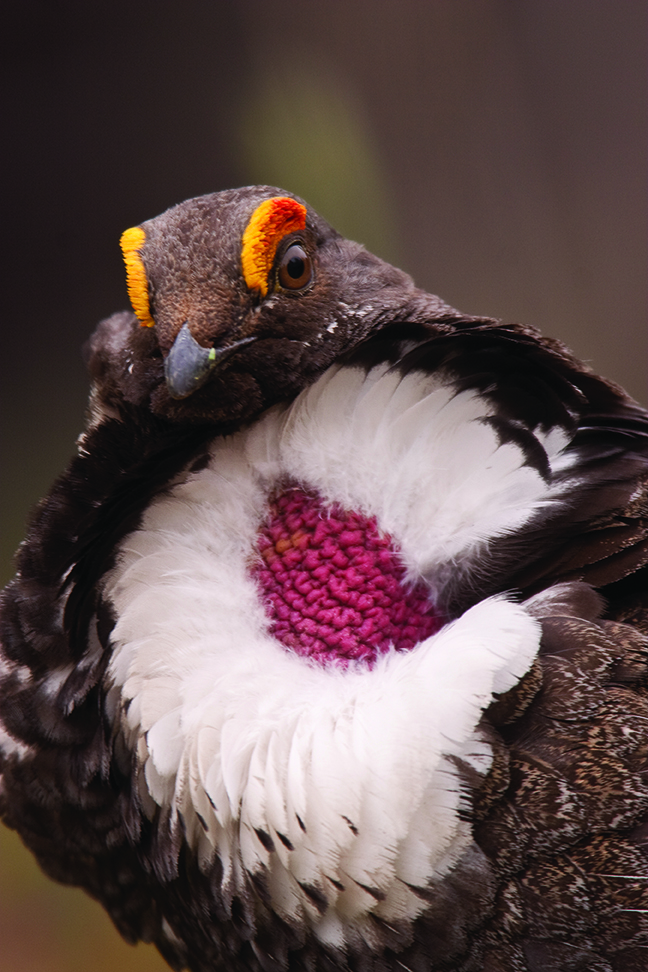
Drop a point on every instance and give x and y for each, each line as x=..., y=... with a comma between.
x=270, y=222
x=131, y=242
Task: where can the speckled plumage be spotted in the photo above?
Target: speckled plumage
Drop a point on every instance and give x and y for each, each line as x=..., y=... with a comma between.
x=475, y=802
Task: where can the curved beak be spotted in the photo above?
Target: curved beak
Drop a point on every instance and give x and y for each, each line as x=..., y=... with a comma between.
x=188, y=364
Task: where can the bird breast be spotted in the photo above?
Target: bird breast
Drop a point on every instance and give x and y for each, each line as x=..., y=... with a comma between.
x=335, y=776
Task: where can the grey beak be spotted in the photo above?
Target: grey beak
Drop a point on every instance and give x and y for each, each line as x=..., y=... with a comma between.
x=188, y=364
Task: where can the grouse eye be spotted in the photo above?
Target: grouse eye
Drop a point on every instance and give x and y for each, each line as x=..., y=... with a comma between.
x=296, y=268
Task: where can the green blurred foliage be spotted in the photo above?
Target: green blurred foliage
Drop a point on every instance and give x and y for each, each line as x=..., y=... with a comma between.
x=303, y=131
x=45, y=927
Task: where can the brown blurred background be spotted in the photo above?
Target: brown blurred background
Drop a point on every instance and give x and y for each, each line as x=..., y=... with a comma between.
x=496, y=149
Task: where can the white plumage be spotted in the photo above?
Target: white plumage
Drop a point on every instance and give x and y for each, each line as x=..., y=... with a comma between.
x=237, y=730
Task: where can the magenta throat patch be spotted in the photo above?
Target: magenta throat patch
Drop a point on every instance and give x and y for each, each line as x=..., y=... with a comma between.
x=332, y=583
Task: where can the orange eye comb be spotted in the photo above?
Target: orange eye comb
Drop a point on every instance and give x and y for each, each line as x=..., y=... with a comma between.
x=270, y=222
x=131, y=242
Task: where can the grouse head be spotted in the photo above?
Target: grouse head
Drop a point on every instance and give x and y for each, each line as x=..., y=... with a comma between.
x=242, y=297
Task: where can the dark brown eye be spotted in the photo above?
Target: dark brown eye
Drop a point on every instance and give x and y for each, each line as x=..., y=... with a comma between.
x=296, y=268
